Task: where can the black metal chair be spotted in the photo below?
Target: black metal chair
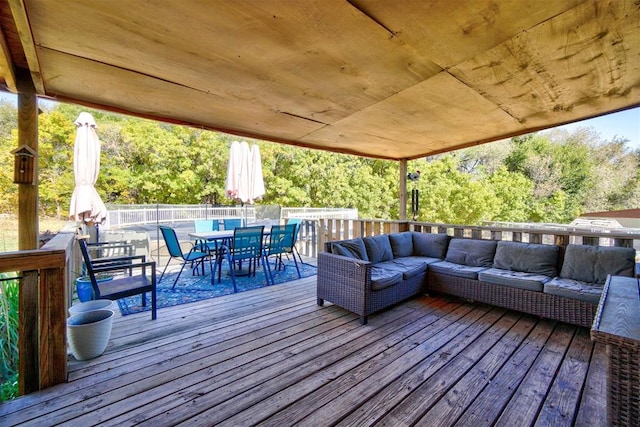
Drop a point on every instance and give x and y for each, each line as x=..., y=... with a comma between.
x=121, y=286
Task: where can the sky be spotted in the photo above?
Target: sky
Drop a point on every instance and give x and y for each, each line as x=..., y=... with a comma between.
x=625, y=124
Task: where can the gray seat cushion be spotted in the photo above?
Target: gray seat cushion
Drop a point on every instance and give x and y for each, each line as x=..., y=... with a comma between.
x=353, y=248
x=401, y=244
x=568, y=288
x=430, y=245
x=378, y=248
x=528, y=258
x=471, y=252
x=515, y=279
x=592, y=264
x=409, y=267
x=453, y=269
x=383, y=278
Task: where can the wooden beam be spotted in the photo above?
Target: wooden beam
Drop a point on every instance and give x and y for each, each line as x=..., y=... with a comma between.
x=28, y=45
x=6, y=64
x=28, y=227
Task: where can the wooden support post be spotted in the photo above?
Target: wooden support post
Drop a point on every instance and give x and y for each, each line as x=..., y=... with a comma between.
x=28, y=228
x=402, y=191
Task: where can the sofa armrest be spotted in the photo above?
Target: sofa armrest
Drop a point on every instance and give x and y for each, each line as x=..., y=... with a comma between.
x=342, y=271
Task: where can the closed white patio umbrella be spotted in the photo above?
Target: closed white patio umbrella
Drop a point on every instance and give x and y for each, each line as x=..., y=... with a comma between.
x=244, y=181
x=86, y=204
x=244, y=173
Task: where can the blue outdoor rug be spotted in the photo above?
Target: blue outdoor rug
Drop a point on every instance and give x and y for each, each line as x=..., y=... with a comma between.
x=195, y=288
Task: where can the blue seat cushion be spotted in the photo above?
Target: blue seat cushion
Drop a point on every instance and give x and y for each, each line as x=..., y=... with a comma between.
x=378, y=248
x=515, y=279
x=592, y=264
x=568, y=288
x=382, y=278
x=527, y=257
x=353, y=248
x=471, y=252
x=430, y=245
x=401, y=244
x=458, y=270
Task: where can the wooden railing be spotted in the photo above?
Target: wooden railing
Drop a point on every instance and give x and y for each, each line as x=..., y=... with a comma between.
x=43, y=301
x=46, y=276
x=347, y=229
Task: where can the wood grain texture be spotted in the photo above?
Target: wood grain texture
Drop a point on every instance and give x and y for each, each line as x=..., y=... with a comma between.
x=353, y=77
x=273, y=357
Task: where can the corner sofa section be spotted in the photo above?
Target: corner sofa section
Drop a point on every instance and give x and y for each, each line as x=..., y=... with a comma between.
x=368, y=274
x=365, y=275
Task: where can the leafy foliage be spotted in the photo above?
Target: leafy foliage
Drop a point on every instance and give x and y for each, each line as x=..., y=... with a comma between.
x=8, y=338
x=542, y=177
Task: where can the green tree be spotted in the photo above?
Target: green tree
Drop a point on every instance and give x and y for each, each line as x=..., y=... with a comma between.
x=56, y=137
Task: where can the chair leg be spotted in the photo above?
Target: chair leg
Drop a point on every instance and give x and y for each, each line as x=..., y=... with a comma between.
x=295, y=251
x=176, y=281
x=165, y=269
x=267, y=269
x=296, y=264
x=233, y=276
x=154, y=305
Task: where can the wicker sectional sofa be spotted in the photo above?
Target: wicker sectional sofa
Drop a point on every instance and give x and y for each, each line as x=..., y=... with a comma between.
x=365, y=275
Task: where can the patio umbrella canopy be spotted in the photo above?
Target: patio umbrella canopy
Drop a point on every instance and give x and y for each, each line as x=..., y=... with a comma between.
x=244, y=173
x=86, y=204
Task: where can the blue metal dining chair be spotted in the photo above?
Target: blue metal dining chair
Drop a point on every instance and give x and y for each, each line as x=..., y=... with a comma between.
x=202, y=226
x=281, y=242
x=246, y=245
x=298, y=223
x=195, y=256
x=231, y=223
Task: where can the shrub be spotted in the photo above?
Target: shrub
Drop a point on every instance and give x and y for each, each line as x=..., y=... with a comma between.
x=8, y=336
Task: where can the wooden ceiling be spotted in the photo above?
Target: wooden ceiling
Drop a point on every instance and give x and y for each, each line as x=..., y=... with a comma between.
x=388, y=79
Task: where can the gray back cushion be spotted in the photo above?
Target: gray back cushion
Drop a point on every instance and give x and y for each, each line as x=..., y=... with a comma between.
x=592, y=264
x=353, y=248
x=401, y=244
x=378, y=248
x=471, y=252
x=430, y=245
x=527, y=257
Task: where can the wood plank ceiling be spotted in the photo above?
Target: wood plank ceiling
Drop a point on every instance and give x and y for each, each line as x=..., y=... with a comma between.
x=386, y=79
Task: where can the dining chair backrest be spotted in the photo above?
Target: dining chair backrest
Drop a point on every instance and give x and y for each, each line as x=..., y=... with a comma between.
x=297, y=222
x=171, y=240
x=231, y=223
x=281, y=239
x=247, y=242
x=204, y=225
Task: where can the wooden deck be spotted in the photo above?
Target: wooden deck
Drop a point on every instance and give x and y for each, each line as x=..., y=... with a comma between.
x=273, y=357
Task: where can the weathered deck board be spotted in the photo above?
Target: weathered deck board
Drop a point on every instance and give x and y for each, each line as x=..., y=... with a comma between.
x=273, y=357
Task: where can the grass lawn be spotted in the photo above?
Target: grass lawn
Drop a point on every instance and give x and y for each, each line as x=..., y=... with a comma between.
x=9, y=230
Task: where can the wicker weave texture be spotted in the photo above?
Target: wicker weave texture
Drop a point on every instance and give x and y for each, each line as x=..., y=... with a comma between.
x=346, y=282
x=567, y=310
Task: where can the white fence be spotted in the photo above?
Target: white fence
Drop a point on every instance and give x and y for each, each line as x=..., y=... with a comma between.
x=129, y=215
x=122, y=216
